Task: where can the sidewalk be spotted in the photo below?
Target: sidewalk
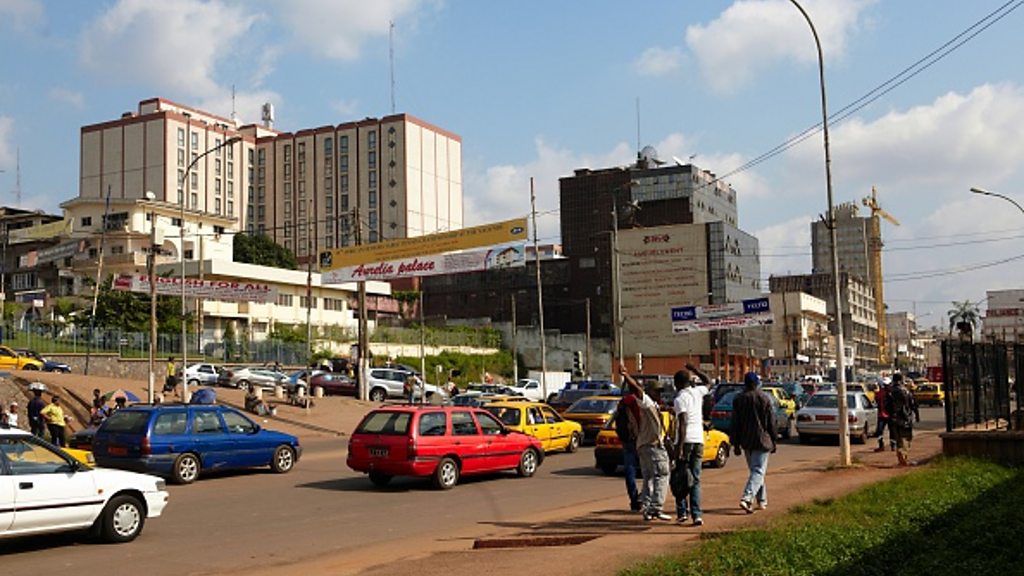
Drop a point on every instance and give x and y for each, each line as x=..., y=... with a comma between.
x=600, y=538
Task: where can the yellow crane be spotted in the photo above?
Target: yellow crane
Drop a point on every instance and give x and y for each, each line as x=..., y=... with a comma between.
x=875, y=265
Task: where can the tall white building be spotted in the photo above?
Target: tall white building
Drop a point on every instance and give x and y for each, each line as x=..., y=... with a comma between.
x=1004, y=317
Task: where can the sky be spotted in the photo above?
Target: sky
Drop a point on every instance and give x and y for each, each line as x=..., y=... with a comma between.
x=926, y=99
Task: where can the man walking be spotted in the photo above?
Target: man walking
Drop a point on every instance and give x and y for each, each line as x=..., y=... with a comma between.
x=689, y=437
x=35, y=410
x=625, y=429
x=649, y=447
x=884, y=418
x=753, y=432
x=903, y=413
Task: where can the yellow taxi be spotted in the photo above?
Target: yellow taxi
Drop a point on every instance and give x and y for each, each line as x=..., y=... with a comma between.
x=608, y=450
x=785, y=400
x=867, y=388
x=593, y=413
x=83, y=456
x=540, y=421
x=11, y=360
x=930, y=393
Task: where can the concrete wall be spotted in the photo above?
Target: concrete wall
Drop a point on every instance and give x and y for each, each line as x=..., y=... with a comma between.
x=559, y=349
x=1001, y=446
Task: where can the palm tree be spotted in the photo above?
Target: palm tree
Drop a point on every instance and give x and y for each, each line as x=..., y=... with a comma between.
x=964, y=317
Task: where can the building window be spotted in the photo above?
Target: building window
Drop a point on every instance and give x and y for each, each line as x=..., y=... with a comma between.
x=373, y=200
x=218, y=229
x=195, y=140
x=261, y=157
x=287, y=229
x=117, y=250
x=195, y=200
x=261, y=194
x=86, y=221
x=252, y=155
x=262, y=175
x=262, y=229
x=288, y=245
x=261, y=213
x=371, y=159
x=344, y=163
x=231, y=152
x=231, y=189
x=328, y=184
x=195, y=181
x=287, y=190
x=188, y=254
x=343, y=181
x=181, y=156
x=287, y=170
x=216, y=205
x=344, y=203
x=176, y=222
x=329, y=242
x=216, y=187
x=181, y=137
x=371, y=138
x=231, y=169
x=372, y=176
x=328, y=146
x=287, y=152
x=329, y=203
x=373, y=220
x=373, y=235
x=343, y=144
x=287, y=209
x=284, y=299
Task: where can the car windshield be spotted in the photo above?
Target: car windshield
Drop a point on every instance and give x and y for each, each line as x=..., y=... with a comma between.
x=127, y=421
x=830, y=401
x=508, y=416
x=593, y=406
x=396, y=423
x=929, y=388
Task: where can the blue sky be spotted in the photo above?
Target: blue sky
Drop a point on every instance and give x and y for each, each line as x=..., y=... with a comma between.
x=538, y=88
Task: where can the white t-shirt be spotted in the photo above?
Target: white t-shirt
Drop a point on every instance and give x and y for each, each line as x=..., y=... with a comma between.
x=691, y=401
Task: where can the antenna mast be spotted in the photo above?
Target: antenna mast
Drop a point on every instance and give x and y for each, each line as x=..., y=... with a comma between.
x=391, y=60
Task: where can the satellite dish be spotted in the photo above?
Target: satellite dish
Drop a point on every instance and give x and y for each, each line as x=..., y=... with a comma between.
x=649, y=157
x=678, y=161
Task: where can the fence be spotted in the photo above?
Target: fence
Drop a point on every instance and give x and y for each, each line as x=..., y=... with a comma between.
x=977, y=385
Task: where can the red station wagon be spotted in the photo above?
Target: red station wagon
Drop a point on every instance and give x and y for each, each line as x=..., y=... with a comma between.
x=441, y=442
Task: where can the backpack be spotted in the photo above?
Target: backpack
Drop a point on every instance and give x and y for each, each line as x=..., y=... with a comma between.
x=900, y=406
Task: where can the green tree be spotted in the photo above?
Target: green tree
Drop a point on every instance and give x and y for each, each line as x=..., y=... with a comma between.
x=964, y=317
x=230, y=342
x=263, y=251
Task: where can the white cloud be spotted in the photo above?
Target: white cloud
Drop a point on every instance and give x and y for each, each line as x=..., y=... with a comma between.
x=6, y=148
x=345, y=108
x=753, y=34
x=172, y=46
x=336, y=29
x=22, y=15
x=785, y=247
x=64, y=96
x=657, y=61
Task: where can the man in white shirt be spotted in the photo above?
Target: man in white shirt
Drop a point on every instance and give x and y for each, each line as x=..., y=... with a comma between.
x=689, y=436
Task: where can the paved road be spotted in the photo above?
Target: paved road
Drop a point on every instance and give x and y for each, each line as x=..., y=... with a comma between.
x=236, y=522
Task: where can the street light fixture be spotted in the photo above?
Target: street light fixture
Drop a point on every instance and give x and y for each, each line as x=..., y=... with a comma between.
x=183, y=185
x=997, y=195
x=844, y=425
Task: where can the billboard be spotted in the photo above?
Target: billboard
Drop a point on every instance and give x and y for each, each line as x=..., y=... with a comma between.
x=744, y=314
x=505, y=232
x=433, y=265
x=659, y=268
x=224, y=290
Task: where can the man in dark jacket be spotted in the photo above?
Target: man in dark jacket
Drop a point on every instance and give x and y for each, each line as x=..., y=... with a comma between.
x=903, y=413
x=753, y=432
x=35, y=409
x=625, y=428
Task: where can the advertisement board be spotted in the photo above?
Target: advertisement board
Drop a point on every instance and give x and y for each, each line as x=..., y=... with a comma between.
x=744, y=314
x=223, y=290
x=505, y=232
x=433, y=265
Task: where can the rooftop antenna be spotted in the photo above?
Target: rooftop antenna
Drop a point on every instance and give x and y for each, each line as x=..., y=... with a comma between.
x=391, y=60
x=234, y=113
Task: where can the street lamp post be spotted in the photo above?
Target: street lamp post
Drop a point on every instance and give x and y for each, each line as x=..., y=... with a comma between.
x=844, y=425
x=151, y=273
x=181, y=250
x=997, y=195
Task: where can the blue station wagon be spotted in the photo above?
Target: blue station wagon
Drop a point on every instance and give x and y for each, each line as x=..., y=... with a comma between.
x=180, y=441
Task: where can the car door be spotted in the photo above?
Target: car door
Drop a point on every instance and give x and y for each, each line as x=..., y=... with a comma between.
x=532, y=422
x=248, y=447
x=207, y=374
x=6, y=497
x=49, y=489
x=558, y=428
x=468, y=443
x=208, y=437
x=500, y=451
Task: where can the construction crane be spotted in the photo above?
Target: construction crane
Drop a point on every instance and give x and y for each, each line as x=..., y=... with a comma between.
x=875, y=266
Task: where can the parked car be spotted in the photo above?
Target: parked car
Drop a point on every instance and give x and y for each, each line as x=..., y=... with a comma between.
x=721, y=415
x=573, y=391
x=930, y=393
x=438, y=442
x=529, y=388
x=48, y=365
x=43, y=489
x=181, y=441
x=866, y=388
x=608, y=448
x=202, y=374
x=11, y=360
x=592, y=412
x=820, y=416
x=540, y=421
x=242, y=378
x=783, y=398
x=334, y=384
x=387, y=383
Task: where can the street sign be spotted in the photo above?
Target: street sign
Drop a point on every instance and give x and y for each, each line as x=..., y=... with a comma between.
x=743, y=314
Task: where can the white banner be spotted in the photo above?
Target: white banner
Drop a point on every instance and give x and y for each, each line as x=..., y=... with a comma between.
x=745, y=314
x=194, y=288
x=433, y=265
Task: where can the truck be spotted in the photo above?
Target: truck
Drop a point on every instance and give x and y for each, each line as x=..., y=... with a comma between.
x=553, y=380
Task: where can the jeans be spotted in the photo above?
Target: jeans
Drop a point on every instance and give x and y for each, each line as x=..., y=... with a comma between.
x=692, y=458
x=630, y=464
x=654, y=467
x=757, y=462
x=882, y=424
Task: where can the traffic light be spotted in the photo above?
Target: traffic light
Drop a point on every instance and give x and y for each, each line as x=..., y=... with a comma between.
x=577, y=363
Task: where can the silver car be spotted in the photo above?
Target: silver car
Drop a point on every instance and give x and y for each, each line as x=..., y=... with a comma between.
x=820, y=416
x=243, y=378
x=205, y=374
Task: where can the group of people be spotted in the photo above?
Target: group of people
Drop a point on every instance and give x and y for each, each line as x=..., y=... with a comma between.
x=673, y=457
x=897, y=411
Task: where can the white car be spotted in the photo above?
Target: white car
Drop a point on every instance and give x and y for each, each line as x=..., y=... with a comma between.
x=385, y=383
x=202, y=374
x=43, y=489
x=820, y=416
x=530, y=388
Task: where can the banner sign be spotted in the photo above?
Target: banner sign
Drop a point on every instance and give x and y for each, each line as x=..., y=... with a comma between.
x=405, y=248
x=433, y=265
x=41, y=231
x=195, y=288
x=59, y=252
x=744, y=314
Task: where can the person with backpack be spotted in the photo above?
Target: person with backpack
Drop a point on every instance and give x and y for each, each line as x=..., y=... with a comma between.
x=903, y=412
x=625, y=429
x=884, y=421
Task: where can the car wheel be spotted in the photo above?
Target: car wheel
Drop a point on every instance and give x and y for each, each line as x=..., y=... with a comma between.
x=862, y=438
x=32, y=367
x=284, y=459
x=243, y=385
x=574, y=443
x=122, y=519
x=721, y=456
x=380, y=479
x=378, y=395
x=186, y=468
x=528, y=463
x=608, y=469
x=194, y=383
x=446, y=475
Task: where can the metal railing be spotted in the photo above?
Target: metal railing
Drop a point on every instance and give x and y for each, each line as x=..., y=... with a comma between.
x=976, y=383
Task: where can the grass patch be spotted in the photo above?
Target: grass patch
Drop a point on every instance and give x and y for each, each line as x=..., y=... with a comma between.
x=955, y=517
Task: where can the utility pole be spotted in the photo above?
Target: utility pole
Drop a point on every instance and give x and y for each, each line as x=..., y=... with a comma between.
x=364, y=340
x=586, y=368
x=309, y=286
x=151, y=270
x=99, y=277
x=515, y=347
x=540, y=296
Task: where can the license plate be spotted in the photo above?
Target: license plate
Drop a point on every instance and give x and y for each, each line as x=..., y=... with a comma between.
x=379, y=452
x=117, y=451
x=825, y=417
